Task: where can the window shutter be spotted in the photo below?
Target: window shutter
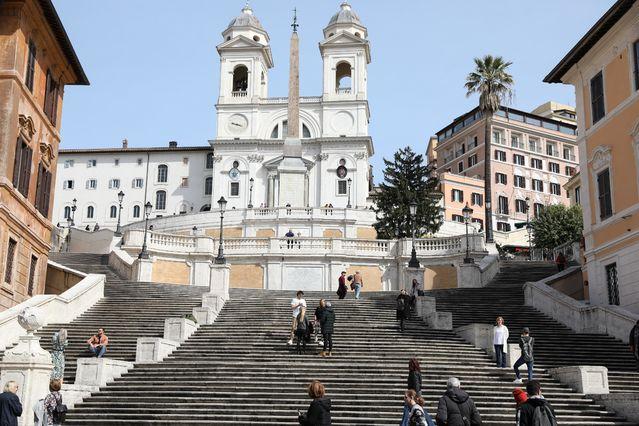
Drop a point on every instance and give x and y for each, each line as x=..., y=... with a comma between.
x=17, y=162
x=26, y=171
x=46, y=193
x=87, y=184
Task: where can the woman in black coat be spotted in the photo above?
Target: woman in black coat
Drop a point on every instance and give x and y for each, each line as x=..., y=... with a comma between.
x=319, y=412
x=402, y=308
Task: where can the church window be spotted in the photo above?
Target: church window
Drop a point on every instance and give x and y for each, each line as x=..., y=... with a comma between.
x=90, y=212
x=358, y=35
x=67, y=212
x=235, y=189
x=113, y=212
x=343, y=78
x=209, y=160
x=206, y=208
x=240, y=80
x=236, y=164
x=341, y=187
x=208, y=186
x=305, y=132
x=284, y=129
x=136, y=211
x=160, y=200
x=163, y=173
x=275, y=131
x=256, y=38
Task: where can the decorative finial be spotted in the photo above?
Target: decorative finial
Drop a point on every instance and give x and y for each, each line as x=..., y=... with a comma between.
x=247, y=8
x=295, y=24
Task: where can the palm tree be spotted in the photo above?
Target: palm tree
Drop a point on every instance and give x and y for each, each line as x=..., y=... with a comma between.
x=493, y=83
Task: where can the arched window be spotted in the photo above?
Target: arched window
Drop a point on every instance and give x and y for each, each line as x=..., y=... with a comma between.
x=160, y=200
x=209, y=160
x=305, y=132
x=67, y=212
x=206, y=208
x=343, y=78
x=113, y=212
x=240, y=80
x=136, y=211
x=163, y=173
x=208, y=186
x=274, y=133
x=90, y=211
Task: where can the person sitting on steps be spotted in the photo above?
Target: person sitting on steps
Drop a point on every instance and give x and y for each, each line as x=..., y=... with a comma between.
x=98, y=343
x=297, y=303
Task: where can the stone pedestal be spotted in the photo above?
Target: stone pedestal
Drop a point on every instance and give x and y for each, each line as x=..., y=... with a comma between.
x=409, y=275
x=205, y=315
x=469, y=275
x=478, y=335
x=100, y=371
x=583, y=378
x=425, y=305
x=154, y=349
x=440, y=320
x=220, y=275
x=144, y=270
x=624, y=404
x=201, y=272
x=30, y=366
x=514, y=353
x=213, y=301
x=73, y=394
x=178, y=329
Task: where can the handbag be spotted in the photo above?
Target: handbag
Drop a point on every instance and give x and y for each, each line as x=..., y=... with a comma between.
x=60, y=411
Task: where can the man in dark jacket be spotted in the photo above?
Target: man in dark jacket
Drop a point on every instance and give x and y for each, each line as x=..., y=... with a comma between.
x=10, y=407
x=327, y=322
x=526, y=345
x=536, y=411
x=402, y=308
x=634, y=342
x=456, y=408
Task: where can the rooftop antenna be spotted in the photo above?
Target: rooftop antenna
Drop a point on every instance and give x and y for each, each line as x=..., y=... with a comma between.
x=295, y=24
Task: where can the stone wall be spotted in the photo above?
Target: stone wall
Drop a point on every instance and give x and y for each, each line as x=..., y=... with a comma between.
x=265, y=233
x=372, y=276
x=440, y=276
x=234, y=232
x=571, y=285
x=366, y=233
x=332, y=233
x=246, y=276
x=166, y=271
x=59, y=280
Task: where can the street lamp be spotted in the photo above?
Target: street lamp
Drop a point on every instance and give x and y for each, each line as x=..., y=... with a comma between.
x=413, y=263
x=118, y=230
x=467, y=211
x=250, y=204
x=220, y=260
x=349, y=181
x=68, y=239
x=528, y=228
x=74, y=207
x=147, y=211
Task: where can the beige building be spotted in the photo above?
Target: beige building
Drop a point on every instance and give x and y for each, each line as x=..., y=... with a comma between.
x=604, y=69
x=532, y=158
x=459, y=191
x=37, y=61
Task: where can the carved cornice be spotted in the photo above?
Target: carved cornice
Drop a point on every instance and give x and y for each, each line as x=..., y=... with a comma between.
x=360, y=155
x=601, y=157
x=27, y=127
x=255, y=158
x=321, y=157
x=46, y=153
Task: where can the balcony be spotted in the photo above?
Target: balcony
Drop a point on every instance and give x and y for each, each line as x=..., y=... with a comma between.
x=534, y=148
x=552, y=152
x=239, y=94
x=570, y=157
x=343, y=91
x=517, y=144
x=459, y=153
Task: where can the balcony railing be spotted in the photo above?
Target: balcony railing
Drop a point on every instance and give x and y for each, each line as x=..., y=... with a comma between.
x=534, y=148
x=239, y=93
x=570, y=157
x=517, y=144
x=552, y=152
x=343, y=90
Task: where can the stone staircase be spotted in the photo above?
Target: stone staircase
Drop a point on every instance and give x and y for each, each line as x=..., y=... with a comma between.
x=555, y=344
x=239, y=370
x=128, y=310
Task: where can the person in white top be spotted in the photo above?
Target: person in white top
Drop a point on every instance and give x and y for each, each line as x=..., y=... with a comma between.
x=297, y=303
x=500, y=340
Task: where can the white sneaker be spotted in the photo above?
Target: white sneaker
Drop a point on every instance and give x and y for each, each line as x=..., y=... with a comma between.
x=518, y=381
x=290, y=342
x=320, y=343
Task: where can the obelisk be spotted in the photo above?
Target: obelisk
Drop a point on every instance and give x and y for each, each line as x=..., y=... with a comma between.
x=292, y=169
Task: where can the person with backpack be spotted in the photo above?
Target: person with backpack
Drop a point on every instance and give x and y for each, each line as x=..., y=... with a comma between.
x=55, y=410
x=302, y=331
x=526, y=344
x=319, y=412
x=297, y=303
x=327, y=323
x=500, y=342
x=633, y=341
x=414, y=383
x=10, y=406
x=402, y=308
x=456, y=407
x=417, y=416
x=536, y=411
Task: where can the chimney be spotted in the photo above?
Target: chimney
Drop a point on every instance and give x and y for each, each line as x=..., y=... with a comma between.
x=125, y=143
x=172, y=144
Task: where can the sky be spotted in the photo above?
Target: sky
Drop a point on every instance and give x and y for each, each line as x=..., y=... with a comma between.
x=154, y=69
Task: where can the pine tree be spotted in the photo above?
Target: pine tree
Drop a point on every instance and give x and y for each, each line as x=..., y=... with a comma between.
x=407, y=179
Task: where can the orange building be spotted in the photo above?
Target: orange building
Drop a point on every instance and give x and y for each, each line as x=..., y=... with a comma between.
x=604, y=69
x=37, y=61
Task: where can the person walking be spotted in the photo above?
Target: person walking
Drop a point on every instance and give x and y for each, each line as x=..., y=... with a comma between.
x=297, y=303
x=342, y=289
x=500, y=341
x=10, y=406
x=327, y=322
x=402, y=308
x=526, y=343
x=319, y=412
x=561, y=262
x=417, y=415
x=415, y=290
x=358, y=283
x=60, y=342
x=414, y=383
x=98, y=343
x=520, y=396
x=536, y=411
x=319, y=313
x=302, y=331
x=54, y=409
x=456, y=407
x=633, y=340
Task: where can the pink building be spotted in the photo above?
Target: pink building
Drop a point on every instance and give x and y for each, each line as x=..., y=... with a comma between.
x=533, y=156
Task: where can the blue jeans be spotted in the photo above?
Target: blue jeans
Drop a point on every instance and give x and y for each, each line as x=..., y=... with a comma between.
x=358, y=288
x=98, y=351
x=500, y=356
x=521, y=362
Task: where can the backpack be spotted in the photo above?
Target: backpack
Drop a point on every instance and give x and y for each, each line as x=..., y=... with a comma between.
x=542, y=416
x=59, y=412
x=401, y=304
x=527, y=350
x=417, y=417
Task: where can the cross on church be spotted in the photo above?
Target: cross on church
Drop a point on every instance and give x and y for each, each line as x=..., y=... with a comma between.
x=295, y=24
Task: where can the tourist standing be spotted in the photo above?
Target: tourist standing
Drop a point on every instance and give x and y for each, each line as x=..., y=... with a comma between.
x=402, y=308
x=10, y=406
x=302, y=331
x=289, y=238
x=328, y=327
x=561, y=262
x=297, y=303
x=60, y=342
x=319, y=313
x=536, y=410
x=319, y=412
x=358, y=283
x=521, y=397
x=500, y=341
x=341, y=287
x=54, y=409
x=456, y=407
x=634, y=342
x=526, y=343
x=414, y=383
x=98, y=343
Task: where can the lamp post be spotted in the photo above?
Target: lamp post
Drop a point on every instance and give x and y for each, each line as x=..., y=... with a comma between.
x=467, y=211
x=74, y=207
x=147, y=211
x=118, y=230
x=250, y=204
x=220, y=260
x=349, y=181
x=68, y=241
x=413, y=263
x=528, y=228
